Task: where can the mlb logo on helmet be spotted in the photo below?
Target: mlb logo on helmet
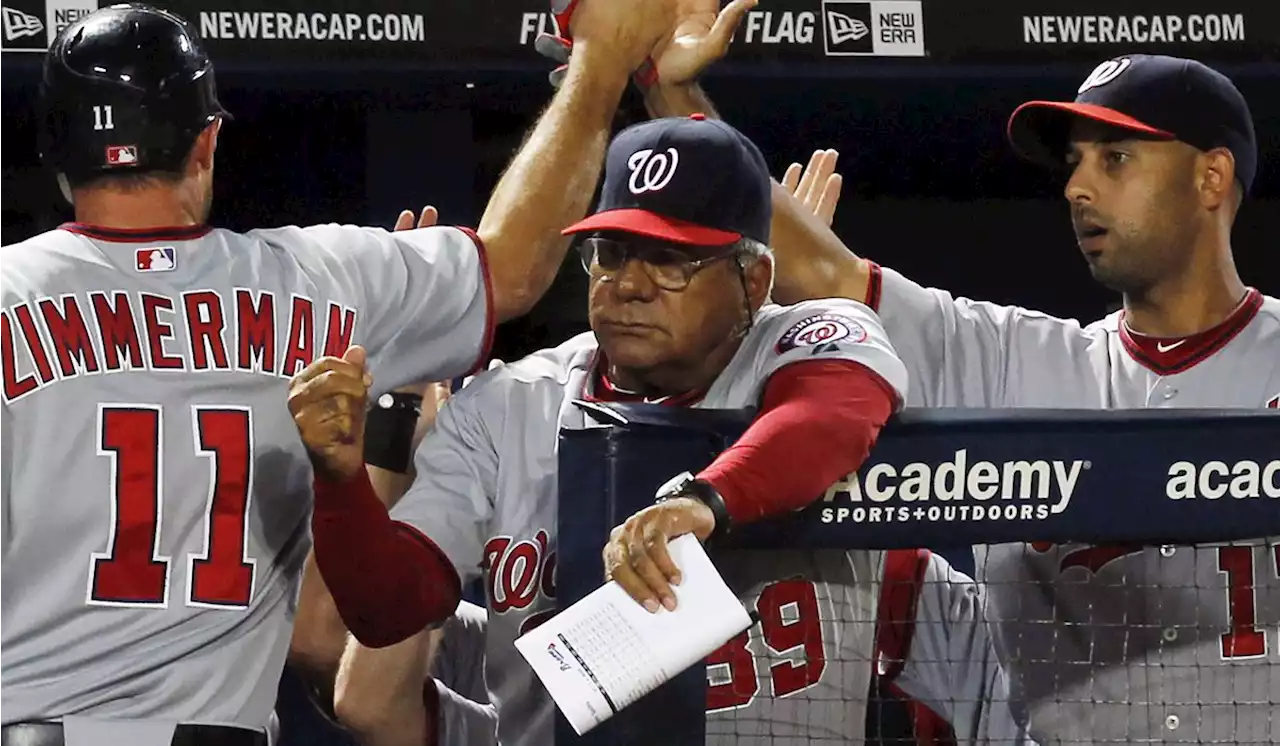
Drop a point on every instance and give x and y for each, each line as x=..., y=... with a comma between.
x=122, y=155
x=31, y=25
x=156, y=259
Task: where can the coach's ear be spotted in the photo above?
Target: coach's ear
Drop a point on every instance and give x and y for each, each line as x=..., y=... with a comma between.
x=757, y=274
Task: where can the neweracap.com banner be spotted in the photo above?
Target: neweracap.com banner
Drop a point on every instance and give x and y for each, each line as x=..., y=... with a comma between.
x=841, y=34
x=1093, y=30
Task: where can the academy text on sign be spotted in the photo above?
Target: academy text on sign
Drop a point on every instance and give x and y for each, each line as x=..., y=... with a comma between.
x=961, y=488
x=965, y=490
x=1152, y=29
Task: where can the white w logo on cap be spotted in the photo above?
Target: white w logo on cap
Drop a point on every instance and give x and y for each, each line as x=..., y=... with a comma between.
x=1104, y=73
x=651, y=171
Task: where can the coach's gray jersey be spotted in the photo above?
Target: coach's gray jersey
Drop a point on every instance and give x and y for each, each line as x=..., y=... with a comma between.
x=466, y=717
x=933, y=643
x=156, y=493
x=486, y=492
x=1115, y=644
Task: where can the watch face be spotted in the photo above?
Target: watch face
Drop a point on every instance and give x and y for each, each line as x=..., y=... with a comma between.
x=675, y=485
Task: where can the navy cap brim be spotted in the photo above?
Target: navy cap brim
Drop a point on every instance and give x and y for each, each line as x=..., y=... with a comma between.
x=653, y=225
x=1038, y=130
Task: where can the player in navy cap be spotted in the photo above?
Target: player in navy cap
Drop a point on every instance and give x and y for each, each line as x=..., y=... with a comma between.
x=679, y=281
x=1161, y=152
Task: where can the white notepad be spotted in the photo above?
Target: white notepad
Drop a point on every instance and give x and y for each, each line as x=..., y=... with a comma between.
x=605, y=651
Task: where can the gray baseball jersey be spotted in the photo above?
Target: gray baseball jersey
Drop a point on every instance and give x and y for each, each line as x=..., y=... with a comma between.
x=1118, y=644
x=156, y=494
x=933, y=644
x=466, y=717
x=486, y=492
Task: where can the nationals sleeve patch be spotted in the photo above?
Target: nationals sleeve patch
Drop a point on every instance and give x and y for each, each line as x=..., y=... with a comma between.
x=821, y=329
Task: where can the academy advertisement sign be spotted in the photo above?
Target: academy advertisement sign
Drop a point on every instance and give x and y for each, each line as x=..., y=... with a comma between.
x=952, y=477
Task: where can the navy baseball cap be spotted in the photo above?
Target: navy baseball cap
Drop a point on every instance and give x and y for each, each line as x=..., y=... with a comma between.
x=1157, y=97
x=693, y=181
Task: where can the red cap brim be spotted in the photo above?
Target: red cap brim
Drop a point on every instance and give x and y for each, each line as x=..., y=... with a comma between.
x=1031, y=138
x=653, y=225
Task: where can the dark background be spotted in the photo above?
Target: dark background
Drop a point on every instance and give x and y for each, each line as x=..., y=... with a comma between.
x=931, y=187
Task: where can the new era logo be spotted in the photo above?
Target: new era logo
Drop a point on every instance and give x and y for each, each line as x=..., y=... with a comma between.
x=18, y=24
x=844, y=29
x=31, y=25
x=161, y=259
x=880, y=28
x=122, y=155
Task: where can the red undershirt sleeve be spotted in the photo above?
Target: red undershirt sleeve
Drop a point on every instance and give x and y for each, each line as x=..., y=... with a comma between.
x=818, y=420
x=388, y=580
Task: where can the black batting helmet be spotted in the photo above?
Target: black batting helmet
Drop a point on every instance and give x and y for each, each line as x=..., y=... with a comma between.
x=125, y=89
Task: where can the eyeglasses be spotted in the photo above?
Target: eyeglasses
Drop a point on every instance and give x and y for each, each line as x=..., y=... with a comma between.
x=669, y=268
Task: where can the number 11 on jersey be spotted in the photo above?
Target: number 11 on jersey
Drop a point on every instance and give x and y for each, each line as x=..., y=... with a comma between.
x=132, y=572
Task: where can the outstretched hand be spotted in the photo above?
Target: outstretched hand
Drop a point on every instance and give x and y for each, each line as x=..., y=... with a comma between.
x=702, y=35
x=429, y=217
x=818, y=187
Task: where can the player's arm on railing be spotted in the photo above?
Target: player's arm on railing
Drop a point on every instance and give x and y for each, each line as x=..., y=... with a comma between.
x=933, y=645
x=821, y=409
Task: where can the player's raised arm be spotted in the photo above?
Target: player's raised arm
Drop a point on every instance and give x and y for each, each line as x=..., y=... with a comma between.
x=550, y=182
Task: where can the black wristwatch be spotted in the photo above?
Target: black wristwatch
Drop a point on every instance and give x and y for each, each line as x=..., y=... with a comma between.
x=685, y=485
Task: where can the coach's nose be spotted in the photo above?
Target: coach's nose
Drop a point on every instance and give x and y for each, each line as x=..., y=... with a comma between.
x=632, y=282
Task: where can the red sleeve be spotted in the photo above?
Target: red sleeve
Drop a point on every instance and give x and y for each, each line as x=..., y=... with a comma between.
x=818, y=420
x=387, y=579
x=875, y=286
x=490, y=321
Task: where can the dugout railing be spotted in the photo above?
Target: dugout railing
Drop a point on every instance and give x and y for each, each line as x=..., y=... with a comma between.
x=1148, y=477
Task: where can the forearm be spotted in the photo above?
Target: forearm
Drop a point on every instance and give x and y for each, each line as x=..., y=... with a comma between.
x=319, y=637
x=550, y=182
x=387, y=580
x=678, y=101
x=380, y=692
x=817, y=423
x=811, y=260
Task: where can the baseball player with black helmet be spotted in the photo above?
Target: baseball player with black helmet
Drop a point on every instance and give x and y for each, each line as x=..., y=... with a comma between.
x=155, y=494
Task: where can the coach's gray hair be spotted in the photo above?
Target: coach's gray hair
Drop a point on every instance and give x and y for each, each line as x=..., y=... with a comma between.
x=748, y=250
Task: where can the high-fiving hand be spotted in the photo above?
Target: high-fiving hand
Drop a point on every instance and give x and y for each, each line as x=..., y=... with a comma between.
x=818, y=188
x=702, y=34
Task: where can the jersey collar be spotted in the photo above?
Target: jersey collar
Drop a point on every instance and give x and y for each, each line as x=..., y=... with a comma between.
x=137, y=235
x=598, y=388
x=1167, y=356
